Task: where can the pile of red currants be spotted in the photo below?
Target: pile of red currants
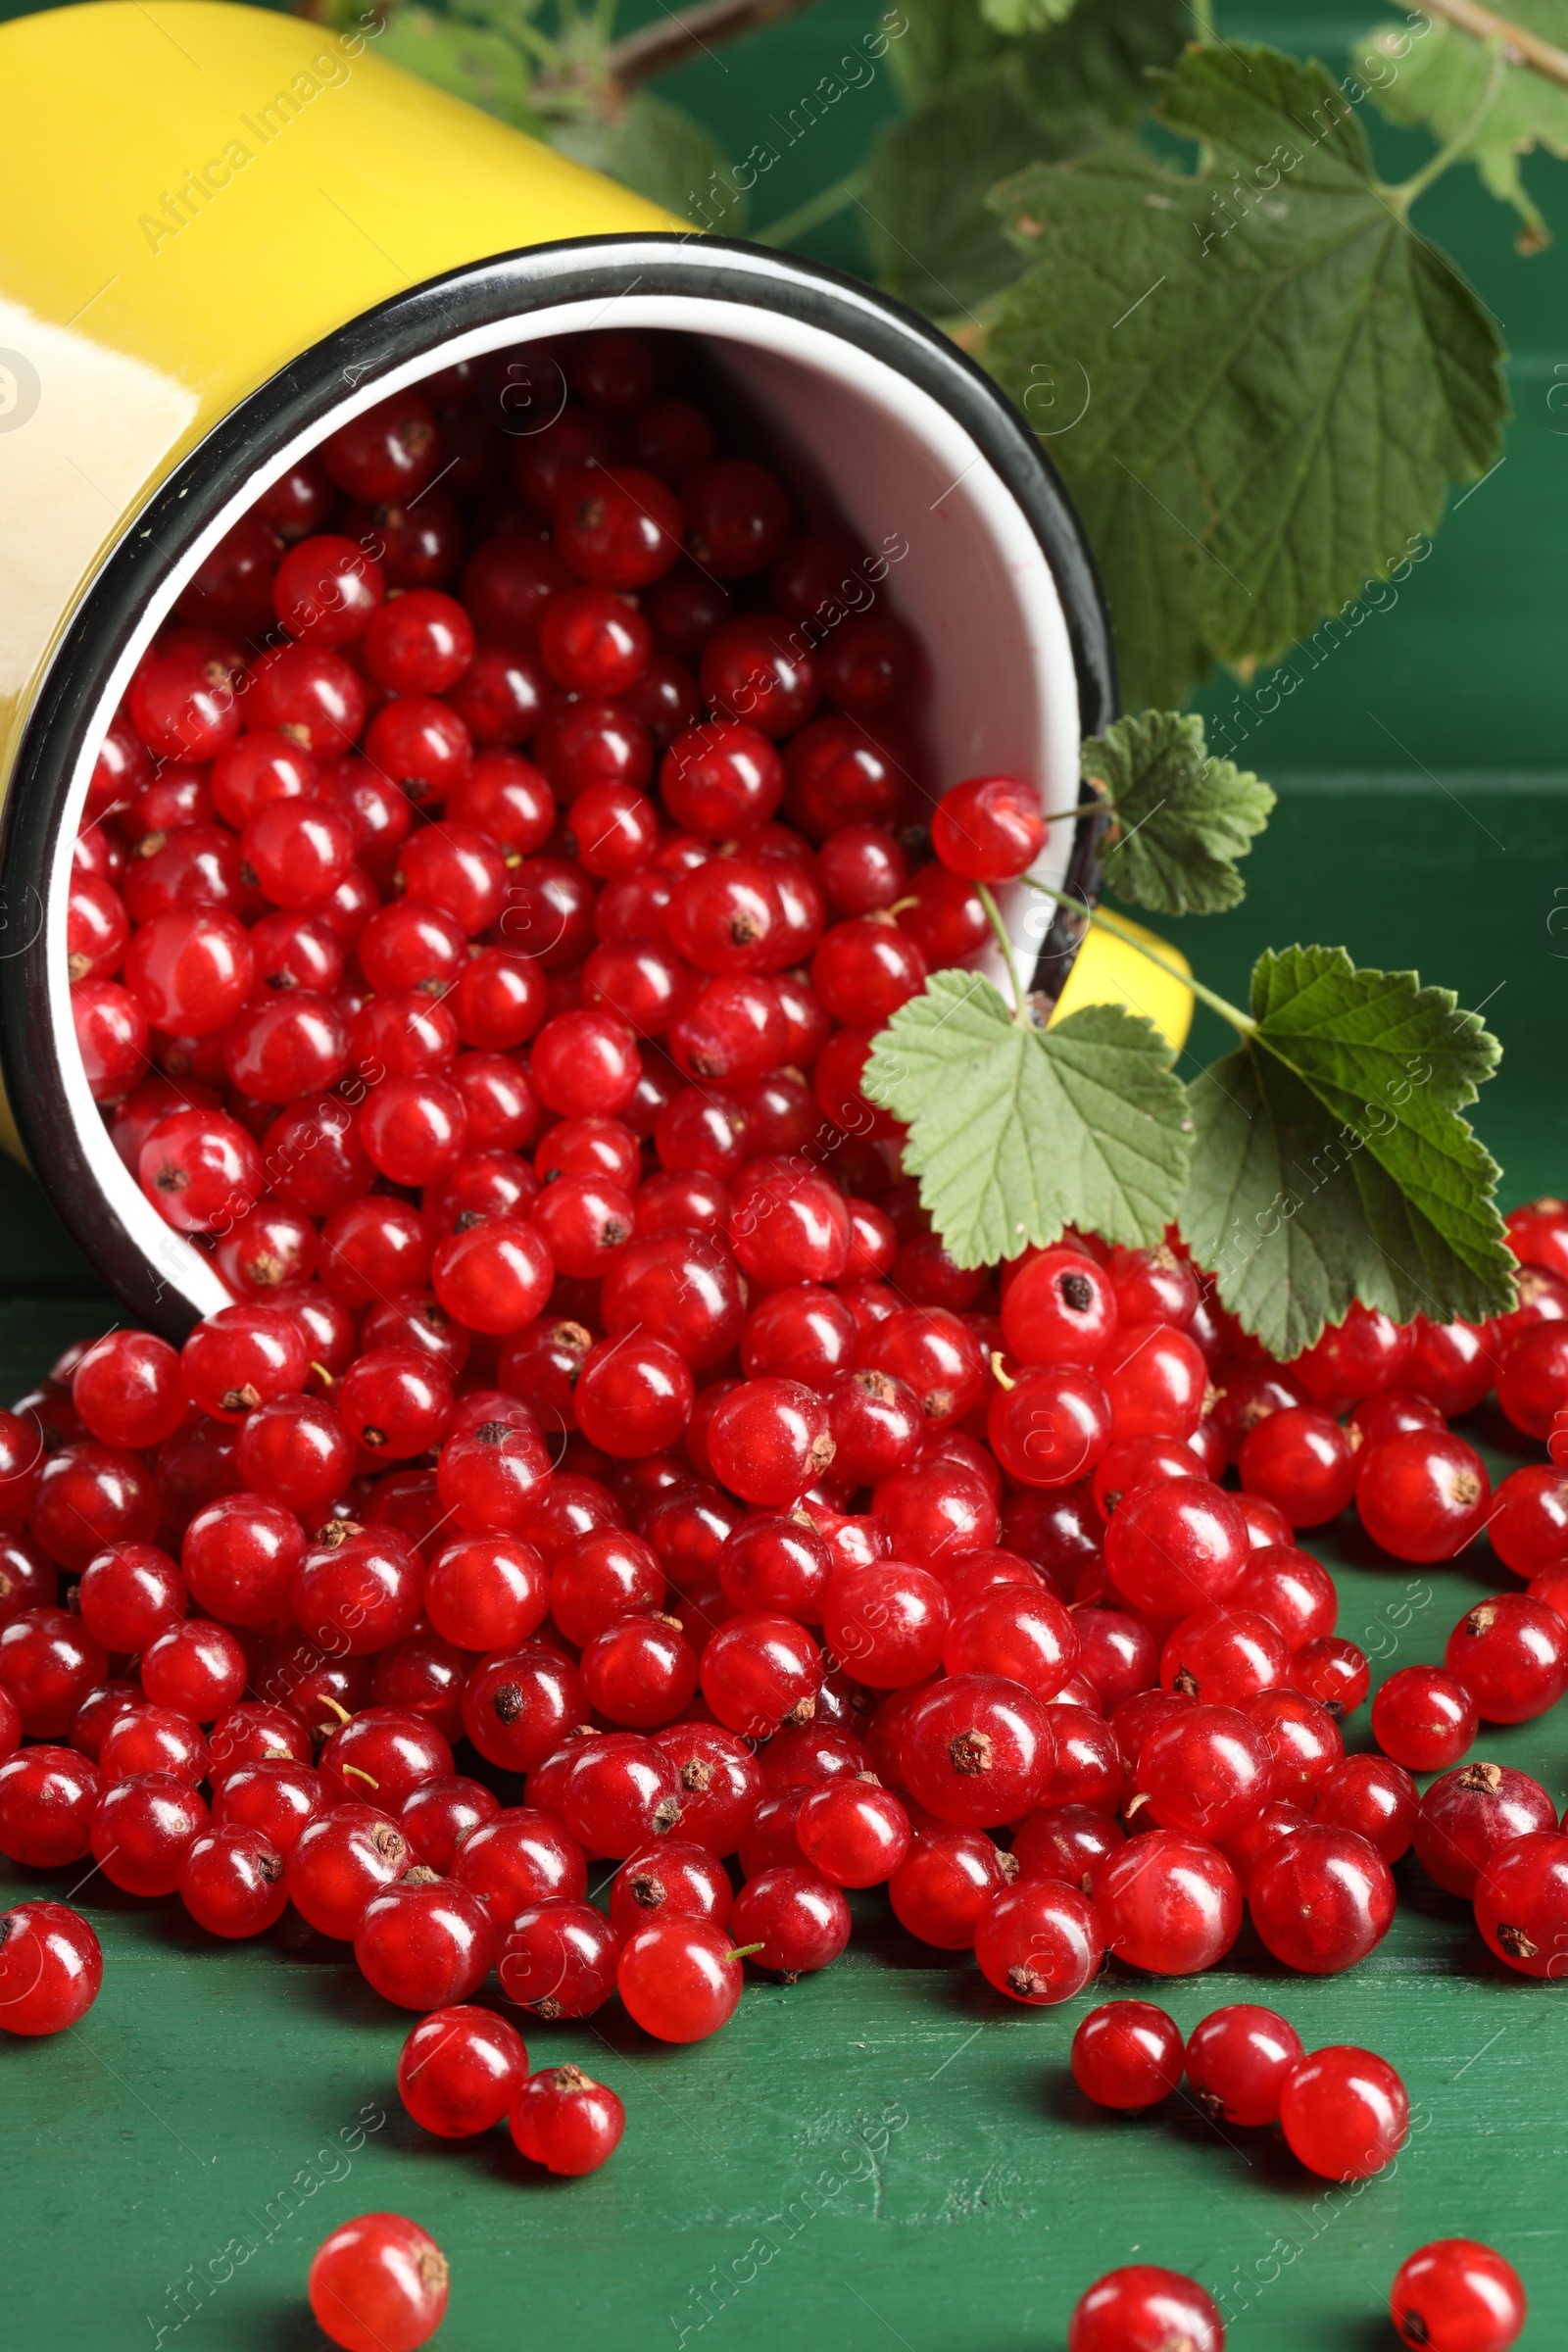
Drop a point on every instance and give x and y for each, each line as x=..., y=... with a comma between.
x=595, y=1392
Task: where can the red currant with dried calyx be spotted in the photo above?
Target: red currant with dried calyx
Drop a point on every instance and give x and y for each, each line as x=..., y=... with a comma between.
x=559, y=1959
x=338, y=1862
x=1511, y=1654
x=231, y=1881
x=1423, y=1494
x=1333, y=1671
x=1301, y=1459
x=671, y=1878
x=1238, y=2059
x=563, y=2119
x=978, y=1750
x=277, y=1799
x=1468, y=1816
x=426, y=1941
x=761, y=1671
x=1225, y=1655
x=378, y=2285
x=1456, y=2296
x=720, y=1783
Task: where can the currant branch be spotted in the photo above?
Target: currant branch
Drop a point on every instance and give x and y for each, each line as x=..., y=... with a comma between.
x=1520, y=47
x=683, y=35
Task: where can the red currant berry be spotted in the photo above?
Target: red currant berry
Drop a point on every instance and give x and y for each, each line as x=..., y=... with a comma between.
x=1333, y=1672
x=1127, y=2055
x=51, y=1968
x=426, y=1942
x=1145, y=2309
x=1375, y=1799
x=1511, y=1654
x=978, y=1750
x=142, y=1830
x=1456, y=2296
x=277, y=1799
x=128, y=1594
x=1225, y=1655
x=1423, y=1718
x=797, y=1917
x=989, y=829
x=1168, y=1903
x=460, y=2070
x=1172, y=1547
x=681, y=1979
x=1343, y=2112
x=564, y=2120
x=1468, y=1816
x=378, y=2284
x=1238, y=2059
x=48, y=1665
x=48, y=1797
x=1301, y=1459
x=1422, y=1495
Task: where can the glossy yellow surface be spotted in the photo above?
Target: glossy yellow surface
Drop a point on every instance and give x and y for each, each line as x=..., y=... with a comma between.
x=1110, y=971
x=192, y=195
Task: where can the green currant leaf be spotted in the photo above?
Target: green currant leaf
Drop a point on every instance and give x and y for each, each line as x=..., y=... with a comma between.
x=934, y=240
x=1181, y=818
x=1331, y=1162
x=1323, y=370
x=1096, y=58
x=1147, y=540
x=1015, y=1133
x=476, y=62
x=662, y=153
x=1426, y=75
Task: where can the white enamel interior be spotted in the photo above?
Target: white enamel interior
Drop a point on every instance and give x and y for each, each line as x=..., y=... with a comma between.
x=965, y=571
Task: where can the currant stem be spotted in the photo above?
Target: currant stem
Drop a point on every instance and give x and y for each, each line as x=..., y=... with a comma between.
x=1406, y=194
x=816, y=210
x=690, y=32
x=1484, y=24
x=1095, y=807
x=999, y=929
x=1242, y=1022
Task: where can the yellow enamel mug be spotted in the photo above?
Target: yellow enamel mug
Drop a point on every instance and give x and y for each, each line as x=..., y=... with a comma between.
x=226, y=234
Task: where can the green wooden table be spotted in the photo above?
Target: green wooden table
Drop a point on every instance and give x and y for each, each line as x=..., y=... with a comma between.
x=889, y=2154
